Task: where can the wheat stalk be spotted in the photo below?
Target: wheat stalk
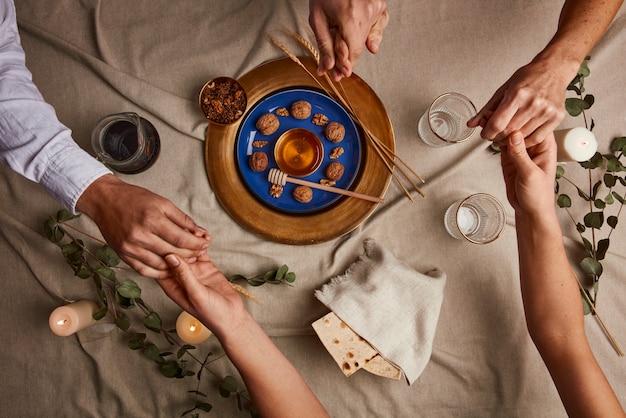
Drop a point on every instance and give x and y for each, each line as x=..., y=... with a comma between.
x=242, y=291
x=387, y=156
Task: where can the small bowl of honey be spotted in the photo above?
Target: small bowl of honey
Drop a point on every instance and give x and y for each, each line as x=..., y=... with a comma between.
x=298, y=152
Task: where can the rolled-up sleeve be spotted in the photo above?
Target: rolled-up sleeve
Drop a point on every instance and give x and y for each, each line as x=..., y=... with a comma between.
x=33, y=142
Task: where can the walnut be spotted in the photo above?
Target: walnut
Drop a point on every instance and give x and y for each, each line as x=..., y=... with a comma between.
x=327, y=182
x=259, y=144
x=258, y=161
x=335, y=132
x=334, y=171
x=319, y=119
x=336, y=153
x=267, y=124
x=276, y=190
x=301, y=109
x=282, y=111
x=303, y=194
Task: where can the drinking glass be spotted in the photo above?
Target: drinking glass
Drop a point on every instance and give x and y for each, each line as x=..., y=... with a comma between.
x=478, y=218
x=126, y=142
x=445, y=121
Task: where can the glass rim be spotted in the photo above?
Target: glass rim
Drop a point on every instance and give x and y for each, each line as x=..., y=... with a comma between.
x=497, y=204
x=463, y=98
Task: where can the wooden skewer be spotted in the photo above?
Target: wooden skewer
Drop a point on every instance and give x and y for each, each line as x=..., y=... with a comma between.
x=276, y=176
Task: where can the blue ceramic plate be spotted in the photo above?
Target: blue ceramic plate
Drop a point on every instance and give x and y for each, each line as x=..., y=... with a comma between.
x=320, y=103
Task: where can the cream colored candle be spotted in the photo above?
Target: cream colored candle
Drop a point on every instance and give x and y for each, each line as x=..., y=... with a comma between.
x=68, y=319
x=191, y=330
x=575, y=144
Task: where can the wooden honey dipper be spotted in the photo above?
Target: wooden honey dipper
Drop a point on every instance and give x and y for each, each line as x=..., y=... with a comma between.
x=275, y=176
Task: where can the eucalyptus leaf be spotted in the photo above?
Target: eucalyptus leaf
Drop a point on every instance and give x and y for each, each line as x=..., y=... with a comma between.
x=152, y=352
x=612, y=221
x=137, y=341
x=106, y=272
x=609, y=180
x=560, y=171
x=591, y=266
x=594, y=220
x=596, y=187
x=122, y=322
x=123, y=302
x=575, y=106
x=599, y=204
x=594, y=162
x=229, y=385
x=152, y=321
x=619, y=144
x=129, y=289
x=580, y=227
x=290, y=277
x=619, y=198
x=65, y=215
x=100, y=314
x=603, y=246
x=203, y=406
x=281, y=272
x=613, y=164
x=564, y=201
x=171, y=368
x=609, y=199
x=82, y=271
x=107, y=256
x=52, y=231
x=183, y=350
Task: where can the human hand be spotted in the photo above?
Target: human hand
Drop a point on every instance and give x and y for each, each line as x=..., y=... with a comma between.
x=532, y=101
x=342, y=30
x=529, y=174
x=140, y=226
x=203, y=291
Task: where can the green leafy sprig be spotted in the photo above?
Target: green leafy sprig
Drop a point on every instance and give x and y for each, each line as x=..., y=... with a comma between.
x=605, y=197
x=103, y=266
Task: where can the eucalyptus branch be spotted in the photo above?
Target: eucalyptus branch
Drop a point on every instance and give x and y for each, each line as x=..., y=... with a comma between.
x=103, y=264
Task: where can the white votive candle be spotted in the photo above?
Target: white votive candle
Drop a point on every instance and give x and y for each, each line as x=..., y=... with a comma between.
x=191, y=330
x=68, y=319
x=466, y=220
x=575, y=144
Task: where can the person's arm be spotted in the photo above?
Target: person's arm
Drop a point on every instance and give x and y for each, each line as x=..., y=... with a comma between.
x=139, y=225
x=532, y=100
x=343, y=28
x=550, y=293
x=204, y=292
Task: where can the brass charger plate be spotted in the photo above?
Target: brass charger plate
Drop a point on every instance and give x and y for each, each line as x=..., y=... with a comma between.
x=298, y=229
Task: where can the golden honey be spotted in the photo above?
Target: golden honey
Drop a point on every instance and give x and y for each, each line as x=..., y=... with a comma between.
x=298, y=152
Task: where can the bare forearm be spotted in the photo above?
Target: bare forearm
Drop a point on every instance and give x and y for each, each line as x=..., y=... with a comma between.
x=555, y=319
x=581, y=25
x=277, y=389
x=549, y=288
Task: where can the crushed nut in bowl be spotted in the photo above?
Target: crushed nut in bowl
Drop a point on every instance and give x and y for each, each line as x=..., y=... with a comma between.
x=223, y=100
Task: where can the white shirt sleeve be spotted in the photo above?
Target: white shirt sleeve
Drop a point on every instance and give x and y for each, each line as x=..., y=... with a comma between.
x=33, y=142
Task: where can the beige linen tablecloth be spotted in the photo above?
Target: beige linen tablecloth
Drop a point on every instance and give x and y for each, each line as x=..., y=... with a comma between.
x=93, y=58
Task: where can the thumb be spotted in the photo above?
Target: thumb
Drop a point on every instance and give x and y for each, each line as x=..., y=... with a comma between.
x=517, y=152
x=183, y=273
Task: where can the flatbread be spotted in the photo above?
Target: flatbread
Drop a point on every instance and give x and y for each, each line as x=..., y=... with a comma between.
x=381, y=367
x=348, y=349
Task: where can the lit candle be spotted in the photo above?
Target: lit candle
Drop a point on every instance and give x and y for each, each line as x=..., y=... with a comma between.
x=575, y=144
x=68, y=319
x=191, y=330
x=466, y=220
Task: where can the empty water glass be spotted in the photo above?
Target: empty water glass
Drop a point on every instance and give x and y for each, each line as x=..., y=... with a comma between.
x=445, y=121
x=478, y=218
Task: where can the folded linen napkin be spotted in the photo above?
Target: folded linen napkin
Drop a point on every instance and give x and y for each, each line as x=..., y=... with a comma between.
x=390, y=305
